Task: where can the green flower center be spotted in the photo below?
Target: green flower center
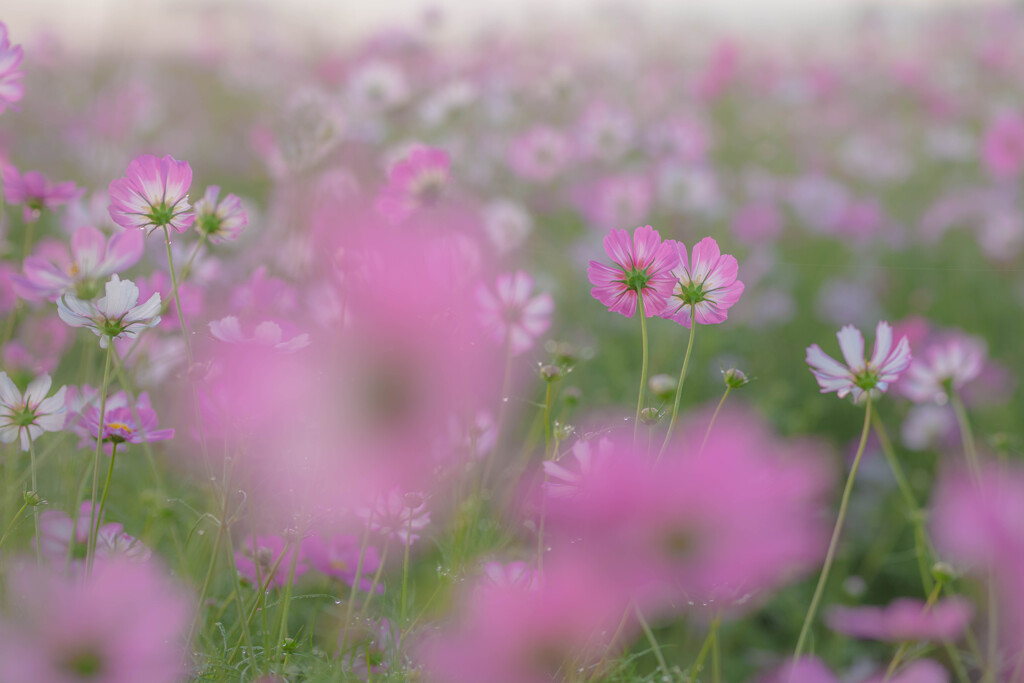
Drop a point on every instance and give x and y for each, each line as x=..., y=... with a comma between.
x=24, y=417
x=208, y=224
x=692, y=293
x=866, y=380
x=637, y=279
x=111, y=328
x=161, y=215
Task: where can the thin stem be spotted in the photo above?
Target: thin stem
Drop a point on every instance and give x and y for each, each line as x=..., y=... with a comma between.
x=643, y=365
x=714, y=416
x=187, y=268
x=177, y=298
x=355, y=586
x=106, y=488
x=932, y=597
x=206, y=580
x=282, y=631
x=376, y=578
x=13, y=522
x=35, y=492
x=405, y=570
x=679, y=385
x=662, y=664
x=94, y=520
x=702, y=655
x=547, y=420
x=834, y=543
x=966, y=433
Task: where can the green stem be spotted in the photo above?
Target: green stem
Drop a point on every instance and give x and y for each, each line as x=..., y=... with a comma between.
x=932, y=597
x=834, y=543
x=355, y=586
x=714, y=416
x=376, y=579
x=282, y=630
x=711, y=639
x=643, y=365
x=405, y=570
x=177, y=298
x=106, y=488
x=966, y=434
x=207, y=579
x=662, y=664
x=679, y=385
x=187, y=269
x=94, y=520
x=13, y=522
x=547, y=420
x=35, y=491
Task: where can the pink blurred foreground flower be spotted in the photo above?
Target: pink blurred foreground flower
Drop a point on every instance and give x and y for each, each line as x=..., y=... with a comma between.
x=903, y=619
x=643, y=266
x=11, y=87
x=153, y=194
x=415, y=182
x=339, y=557
x=25, y=417
x=704, y=288
x=125, y=623
x=859, y=376
x=92, y=260
x=1002, y=149
x=36, y=191
x=118, y=315
x=511, y=314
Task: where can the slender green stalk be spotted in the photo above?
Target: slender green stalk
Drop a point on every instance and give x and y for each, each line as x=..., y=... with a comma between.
x=716, y=658
x=834, y=543
x=966, y=433
x=643, y=364
x=35, y=492
x=547, y=420
x=679, y=385
x=94, y=520
x=282, y=630
x=177, y=298
x=714, y=416
x=903, y=647
x=13, y=522
x=106, y=488
x=405, y=570
x=376, y=578
x=711, y=639
x=662, y=664
x=207, y=579
x=187, y=268
x=355, y=586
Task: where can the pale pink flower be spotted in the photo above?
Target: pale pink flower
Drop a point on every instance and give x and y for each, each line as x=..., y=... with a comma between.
x=219, y=219
x=643, y=266
x=1002, y=149
x=704, y=288
x=605, y=133
x=804, y=670
x=512, y=574
x=63, y=538
x=268, y=333
x=153, y=194
x=11, y=87
x=415, y=182
x=511, y=314
x=947, y=364
x=26, y=416
x=92, y=260
x=397, y=515
x=757, y=223
x=118, y=315
x=124, y=623
x=859, y=376
x=563, y=476
x=903, y=619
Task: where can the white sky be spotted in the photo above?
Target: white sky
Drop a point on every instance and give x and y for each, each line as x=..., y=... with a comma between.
x=134, y=24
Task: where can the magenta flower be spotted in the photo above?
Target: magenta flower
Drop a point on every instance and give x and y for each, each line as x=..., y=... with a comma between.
x=644, y=265
x=62, y=537
x=415, y=182
x=153, y=194
x=26, y=417
x=339, y=558
x=219, y=219
x=510, y=314
x=859, y=376
x=118, y=315
x=125, y=623
x=36, y=191
x=92, y=260
x=1002, y=149
x=126, y=424
x=904, y=619
x=11, y=87
x=705, y=288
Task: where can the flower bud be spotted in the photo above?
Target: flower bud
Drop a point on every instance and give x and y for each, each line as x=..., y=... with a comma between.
x=650, y=416
x=549, y=373
x=734, y=379
x=33, y=499
x=943, y=572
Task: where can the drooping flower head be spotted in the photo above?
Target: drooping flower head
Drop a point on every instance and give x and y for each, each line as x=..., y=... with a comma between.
x=511, y=314
x=704, y=288
x=643, y=267
x=51, y=272
x=126, y=622
x=11, y=87
x=118, y=315
x=219, y=219
x=415, y=182
x=25, y=417
x=859, y=376
x=153, y=194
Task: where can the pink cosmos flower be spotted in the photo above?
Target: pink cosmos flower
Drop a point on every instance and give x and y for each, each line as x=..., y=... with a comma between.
x=540, y=154
x=126, y=424
x=118, y=315
x=268, y=333
x=513, y=574
x=92, y=260
x=804, y=670
x=36, y=191
x=11, y=87
x=903, y=619
x=510, y=314
x=563, y=476
x=644, y=266
x=1002, y=149
x=705, y=288
x=125, y=623
x=397, y=515
x=62, y=538
x=947, y=364
x=339, y=558
x=219, y=219
x=859, y=376
x=153, y=194
x=918, y=671
x=415, y=182
x=26, y=417
x=259, y=555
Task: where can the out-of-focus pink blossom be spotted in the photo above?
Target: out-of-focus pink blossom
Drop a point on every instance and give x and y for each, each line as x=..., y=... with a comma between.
x=757, y=223
x=616, y=200
x=11, y=87
x=1002, y=148
x=805, y=670
x=511, y=314
x=64, y=539
x=268, y=333
x=339, y=557
x=415, y=182
x=540, y=154
x=35, y=191
x=643, y=268
x=945, y=364
x=704, y=288
x=860, y=376
x=124, y=623
x=903, y=619
x=219, y=219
